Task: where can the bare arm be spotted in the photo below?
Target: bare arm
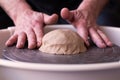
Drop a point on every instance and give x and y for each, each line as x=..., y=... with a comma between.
x=84, y=19
x=29, y=23
x=14, y=7
x=94, y=6
x=91, y=10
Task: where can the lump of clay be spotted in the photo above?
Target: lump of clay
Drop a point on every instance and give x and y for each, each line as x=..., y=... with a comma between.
x=62, y=41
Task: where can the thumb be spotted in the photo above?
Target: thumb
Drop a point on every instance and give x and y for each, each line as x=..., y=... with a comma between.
x=67, y=15
x=50, y=19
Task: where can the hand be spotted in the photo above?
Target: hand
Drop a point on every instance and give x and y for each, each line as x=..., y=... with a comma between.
x=86, y=26
x=29, y=26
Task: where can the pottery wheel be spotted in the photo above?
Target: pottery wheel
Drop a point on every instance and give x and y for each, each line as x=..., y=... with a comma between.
x=93, y=55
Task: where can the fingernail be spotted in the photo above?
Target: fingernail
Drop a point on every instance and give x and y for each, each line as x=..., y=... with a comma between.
x=102, y=45
x=38, y=44
x=8, y=43
x=109, y=44
x=32, y=46
x=87, y=43
x=21, y=45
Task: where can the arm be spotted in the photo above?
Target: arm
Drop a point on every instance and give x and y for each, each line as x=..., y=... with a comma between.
x=14, y=7
x=84, y=19
x=29, y=23
x=94, y=6
x=92, y=10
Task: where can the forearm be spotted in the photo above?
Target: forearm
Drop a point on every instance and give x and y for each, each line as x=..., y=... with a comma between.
x=93, y=6
x=14, y=7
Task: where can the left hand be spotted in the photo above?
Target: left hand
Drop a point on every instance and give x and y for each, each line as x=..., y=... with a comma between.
x=86, y=26
x=29, y=27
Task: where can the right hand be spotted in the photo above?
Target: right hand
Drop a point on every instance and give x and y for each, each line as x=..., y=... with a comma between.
x=85, y=23
x=29, y=26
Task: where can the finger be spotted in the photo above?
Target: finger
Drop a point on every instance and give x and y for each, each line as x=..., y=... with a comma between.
x=11, y=40
x=39, y=33
x=83, y=32
x=32, y=43
x=50, y=19
x=96, y=38
x=21, y=40
x=66, y=14
x=105, y=38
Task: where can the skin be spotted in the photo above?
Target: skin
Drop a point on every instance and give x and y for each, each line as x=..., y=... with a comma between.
x=29, y=23
x=29, y=26
x=84, y=19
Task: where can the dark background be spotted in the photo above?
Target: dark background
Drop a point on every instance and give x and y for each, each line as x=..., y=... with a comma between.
x=110, y=16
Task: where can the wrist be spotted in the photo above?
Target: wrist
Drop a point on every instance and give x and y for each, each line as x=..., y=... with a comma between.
x=14, y=7
x=21, y=8
x=93, y=7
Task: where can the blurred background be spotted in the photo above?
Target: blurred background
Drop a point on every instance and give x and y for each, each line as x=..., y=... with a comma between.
x=110, y=16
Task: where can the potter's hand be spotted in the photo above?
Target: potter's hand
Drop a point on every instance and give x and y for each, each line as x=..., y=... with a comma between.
x=29, y=26
x=86, y=26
